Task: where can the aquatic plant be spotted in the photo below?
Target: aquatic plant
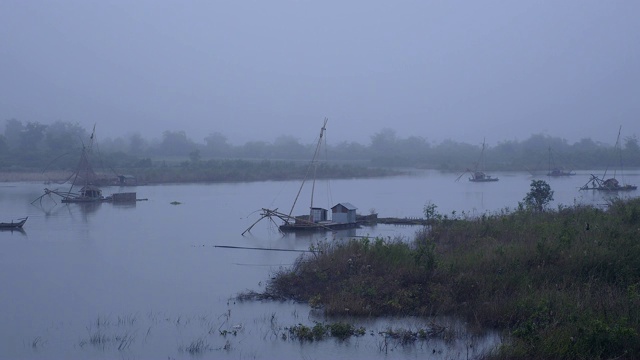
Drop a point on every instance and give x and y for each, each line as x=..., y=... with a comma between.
x=37, y=342
x=559, y=284
x=197, y=346
x=319, y=331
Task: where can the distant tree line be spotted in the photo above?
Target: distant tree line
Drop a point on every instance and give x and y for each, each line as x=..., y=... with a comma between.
x=33, y=145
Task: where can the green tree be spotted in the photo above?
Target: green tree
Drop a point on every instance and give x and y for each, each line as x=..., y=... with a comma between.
x=384, y=141
x=4, y=148
x=175, y=143
x=195, y=156
x=137, y=145
x=32, y=136
x=13, y=133
x=217, y=144
x=430, y=212
x=63, y=137
x=539, y=196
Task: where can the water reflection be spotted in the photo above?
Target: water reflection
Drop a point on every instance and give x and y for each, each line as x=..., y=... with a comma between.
x=125, y=205
x=13, y=230
x=85, y=208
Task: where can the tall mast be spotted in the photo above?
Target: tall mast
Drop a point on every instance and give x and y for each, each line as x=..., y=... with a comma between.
x=84, y=173
x=313, y=165
x=549, y=170
x=480, y=163
x=617, y=151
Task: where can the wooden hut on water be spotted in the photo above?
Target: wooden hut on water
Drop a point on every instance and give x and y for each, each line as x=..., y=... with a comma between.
x=343, y=213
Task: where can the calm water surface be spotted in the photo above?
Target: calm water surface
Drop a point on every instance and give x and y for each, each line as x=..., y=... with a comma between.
x=147, y=280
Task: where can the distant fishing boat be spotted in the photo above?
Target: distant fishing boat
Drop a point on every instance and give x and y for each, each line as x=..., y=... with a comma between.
x=555, y=170
x=611, y=184
x=560, y=172
x=478, y=174
x=88, y=182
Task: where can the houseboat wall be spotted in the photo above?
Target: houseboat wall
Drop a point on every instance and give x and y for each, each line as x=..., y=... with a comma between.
x=318, y=215
x=343, y=213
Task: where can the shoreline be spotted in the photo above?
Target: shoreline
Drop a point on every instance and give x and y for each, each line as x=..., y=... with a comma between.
x=31, y=176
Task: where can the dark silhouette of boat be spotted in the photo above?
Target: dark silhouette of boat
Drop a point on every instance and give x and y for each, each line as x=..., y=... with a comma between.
x=609, y=184
x=13, y=225
x=88, y=182
x=343, y=215
x=478, y=174
x=88, y=193
x=560, y=172
x=557, y=170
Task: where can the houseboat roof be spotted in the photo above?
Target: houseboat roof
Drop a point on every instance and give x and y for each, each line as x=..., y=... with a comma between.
x=346, y=205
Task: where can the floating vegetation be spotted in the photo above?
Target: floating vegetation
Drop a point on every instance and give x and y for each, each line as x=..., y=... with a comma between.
x=251, y=295
x=102, y=340
x=37, y=342
x=197, y=346
x=105, y=333
x=118, y=336
x=319, y=331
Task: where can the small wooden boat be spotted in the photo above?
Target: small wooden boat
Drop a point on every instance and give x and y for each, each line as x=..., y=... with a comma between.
x=557, y=170
x=88, y=193
x=609, y=184
x=89, y=183
x=560, y=172
x=477, y=174
x=13, y=225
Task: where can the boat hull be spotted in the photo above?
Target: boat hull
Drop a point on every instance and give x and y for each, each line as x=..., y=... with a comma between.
x=317, y=227
x=612, y=189
x=560, y=173
x=82, y=200
x=13, y=225
x=483, y=180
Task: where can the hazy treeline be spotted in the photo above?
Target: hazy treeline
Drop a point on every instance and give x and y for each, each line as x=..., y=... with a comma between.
x=31, y=144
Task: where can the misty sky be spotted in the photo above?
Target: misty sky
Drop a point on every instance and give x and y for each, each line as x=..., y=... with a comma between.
x=252, y=70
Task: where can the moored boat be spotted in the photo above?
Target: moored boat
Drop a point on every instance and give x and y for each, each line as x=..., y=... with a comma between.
x=13, y=225
x=560, y=172
x=343, y=215
x=85, y=178
x=609, y=184
x=478, y=174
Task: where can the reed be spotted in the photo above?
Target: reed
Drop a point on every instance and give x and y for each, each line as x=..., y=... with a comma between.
x=197, y=347
x=37, y=342
x=559, y=284
x=320, y=331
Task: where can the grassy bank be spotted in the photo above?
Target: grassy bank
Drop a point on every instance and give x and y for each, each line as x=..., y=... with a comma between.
x=244, y=170
x=208, y=171
x=561, y=284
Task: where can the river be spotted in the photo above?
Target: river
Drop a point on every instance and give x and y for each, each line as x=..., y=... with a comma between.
x=150, y=280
